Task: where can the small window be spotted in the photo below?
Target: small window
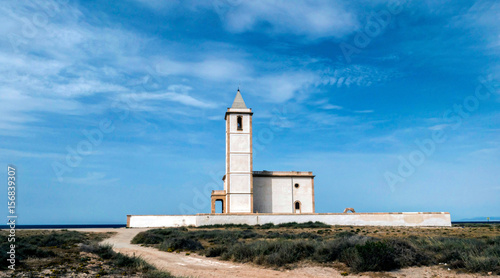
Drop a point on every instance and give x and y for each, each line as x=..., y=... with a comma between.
x=297, y=205
x=240, y=122
x=296, y=185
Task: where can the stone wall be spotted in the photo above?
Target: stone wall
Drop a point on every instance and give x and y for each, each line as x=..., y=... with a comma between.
x=409, y=219
x=147, y=221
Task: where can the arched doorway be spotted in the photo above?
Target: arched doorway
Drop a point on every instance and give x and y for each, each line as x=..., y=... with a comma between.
x=218, y=199
x=297, y=207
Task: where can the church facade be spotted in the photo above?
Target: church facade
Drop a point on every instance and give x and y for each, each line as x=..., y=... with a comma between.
x=261, y=197
x=249, y=191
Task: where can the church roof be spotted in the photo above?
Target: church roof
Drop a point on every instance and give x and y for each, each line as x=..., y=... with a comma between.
x=238, y=101
x=282, y=174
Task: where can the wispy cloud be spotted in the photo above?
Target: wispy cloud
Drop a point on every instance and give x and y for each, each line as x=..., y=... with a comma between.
x=173, y=97
x=355, y=75
x=210, y=69
x=27, y=154
x=313, y=19
x=91, y=179
x=363, y=111
x=332, y=107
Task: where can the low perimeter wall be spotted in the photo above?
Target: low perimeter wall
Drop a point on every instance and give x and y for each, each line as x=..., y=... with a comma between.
x=410, y=219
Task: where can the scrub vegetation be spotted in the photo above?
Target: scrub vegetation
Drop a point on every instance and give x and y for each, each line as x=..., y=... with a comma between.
x=62, y=253
x=466, y=248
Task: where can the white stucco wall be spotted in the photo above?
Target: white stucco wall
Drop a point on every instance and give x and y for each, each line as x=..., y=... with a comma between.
x=409, y=219
x=303, y=193
x=240, y=183
x=239, y=163
x=240, y=142
x=262, y=195
x=278, y=194
x=240, y=203
x=147, y=221
x=282, y=199
x=233, y=124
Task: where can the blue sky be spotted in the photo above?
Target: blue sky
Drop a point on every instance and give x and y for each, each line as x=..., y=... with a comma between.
x=109, y=109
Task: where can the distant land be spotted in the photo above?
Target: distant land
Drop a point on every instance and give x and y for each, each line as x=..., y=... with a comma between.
x=484, y=218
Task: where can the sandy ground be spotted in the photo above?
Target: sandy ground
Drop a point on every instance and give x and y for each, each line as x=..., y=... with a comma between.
x=199, y=266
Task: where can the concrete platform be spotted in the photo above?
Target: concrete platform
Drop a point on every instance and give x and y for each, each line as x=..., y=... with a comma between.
x=407, y=219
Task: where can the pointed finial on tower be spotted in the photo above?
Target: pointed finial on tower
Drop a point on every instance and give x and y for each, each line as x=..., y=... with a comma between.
x=238, y=101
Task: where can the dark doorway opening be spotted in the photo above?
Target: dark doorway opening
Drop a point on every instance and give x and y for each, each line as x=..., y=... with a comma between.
x=219, y=206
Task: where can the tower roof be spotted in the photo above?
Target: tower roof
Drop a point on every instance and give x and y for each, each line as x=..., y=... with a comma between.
x=238, y=101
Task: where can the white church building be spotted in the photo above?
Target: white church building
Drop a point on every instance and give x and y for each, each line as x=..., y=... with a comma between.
x=249, y=191
x=260, y=197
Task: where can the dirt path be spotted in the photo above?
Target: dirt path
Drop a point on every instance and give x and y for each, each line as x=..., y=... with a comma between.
x=199, y=266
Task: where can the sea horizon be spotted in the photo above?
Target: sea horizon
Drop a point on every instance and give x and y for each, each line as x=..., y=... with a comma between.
x=62, y=226
x=83, y=226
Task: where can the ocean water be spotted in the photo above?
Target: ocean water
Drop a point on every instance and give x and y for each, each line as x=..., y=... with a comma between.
x=76, y=226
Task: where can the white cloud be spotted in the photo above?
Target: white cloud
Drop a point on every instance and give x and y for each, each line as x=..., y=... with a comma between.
x=313, y=19
x=354, y=75
x=76, y=55
x=9, y=154
x=439, y=127
x=174, y=97
x=47, y=67
x=285, y=86
x=159, y=4
x=332, y=107
x=91, y=178
x=15, y=107
x=210, y=69
x=363, y=111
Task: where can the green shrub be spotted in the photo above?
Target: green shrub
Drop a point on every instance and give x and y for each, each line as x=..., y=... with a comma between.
x=55, y=238
x=481, y=263
x=24, y=251
x=371, y=256
x=123, y=261
x=351, y=257
x=186, y=244
x=406, y=254
x=361, y=253
x=267, y=226
x=215, y=251
x=135, y=263
x=293, y=236
x=157, y=236
x=33, y=246
x=158, y=274
x=273, y=253
x=104, y=251
x=330, y=251
x=345, y=234
x=287, y=252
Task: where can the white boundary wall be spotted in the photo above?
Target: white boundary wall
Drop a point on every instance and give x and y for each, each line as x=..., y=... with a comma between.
x=409, y=219
x=146, y=221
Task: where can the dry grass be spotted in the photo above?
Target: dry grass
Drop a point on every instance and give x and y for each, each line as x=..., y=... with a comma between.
x=471, y=248
x=62, y=253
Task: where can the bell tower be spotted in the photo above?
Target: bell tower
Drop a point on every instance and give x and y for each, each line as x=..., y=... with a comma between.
x=238, y=183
